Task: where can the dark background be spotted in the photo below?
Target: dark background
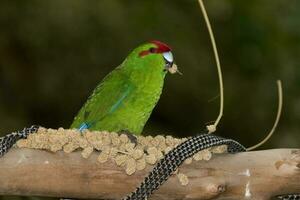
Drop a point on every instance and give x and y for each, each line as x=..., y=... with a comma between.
x=53, y=54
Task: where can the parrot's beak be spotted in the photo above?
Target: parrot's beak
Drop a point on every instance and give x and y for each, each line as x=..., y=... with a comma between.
x=170, y=65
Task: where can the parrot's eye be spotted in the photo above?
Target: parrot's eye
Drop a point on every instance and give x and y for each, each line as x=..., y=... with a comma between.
x=168, y=56
x=152, y=50
x=146, y=52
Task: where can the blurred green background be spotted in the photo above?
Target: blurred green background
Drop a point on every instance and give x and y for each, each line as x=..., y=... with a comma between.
x=53, y=54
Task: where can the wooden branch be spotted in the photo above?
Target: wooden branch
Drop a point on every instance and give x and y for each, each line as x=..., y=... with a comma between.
x=250, y=175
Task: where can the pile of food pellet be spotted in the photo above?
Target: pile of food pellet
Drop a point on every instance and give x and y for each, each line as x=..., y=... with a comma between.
x=111, y=146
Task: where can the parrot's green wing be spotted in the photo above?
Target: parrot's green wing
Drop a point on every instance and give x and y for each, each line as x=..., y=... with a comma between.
x=106, y=99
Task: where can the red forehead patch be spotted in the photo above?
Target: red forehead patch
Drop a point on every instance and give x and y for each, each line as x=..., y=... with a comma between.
x=161, y=47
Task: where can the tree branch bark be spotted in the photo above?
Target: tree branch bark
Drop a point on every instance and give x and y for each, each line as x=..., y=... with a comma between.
x=249, y=175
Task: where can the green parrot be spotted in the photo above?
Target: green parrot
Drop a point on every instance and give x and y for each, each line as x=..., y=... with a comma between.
x=125, y=98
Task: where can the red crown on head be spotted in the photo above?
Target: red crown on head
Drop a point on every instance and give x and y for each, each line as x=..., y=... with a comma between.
x=160, y=48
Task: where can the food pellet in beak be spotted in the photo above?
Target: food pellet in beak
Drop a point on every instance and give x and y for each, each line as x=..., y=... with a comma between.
x=174, y=69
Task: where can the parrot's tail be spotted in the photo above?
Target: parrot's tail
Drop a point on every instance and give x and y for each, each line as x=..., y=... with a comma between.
x=7, y=141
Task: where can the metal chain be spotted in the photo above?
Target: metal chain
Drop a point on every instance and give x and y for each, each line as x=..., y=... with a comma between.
x=7, y=141
x=289, y=197
x=172, y=160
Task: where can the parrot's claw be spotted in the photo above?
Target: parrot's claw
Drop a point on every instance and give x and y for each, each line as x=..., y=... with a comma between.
x=130, y=136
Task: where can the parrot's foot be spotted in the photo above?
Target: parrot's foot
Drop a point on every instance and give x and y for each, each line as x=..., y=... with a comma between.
x=130, y=136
